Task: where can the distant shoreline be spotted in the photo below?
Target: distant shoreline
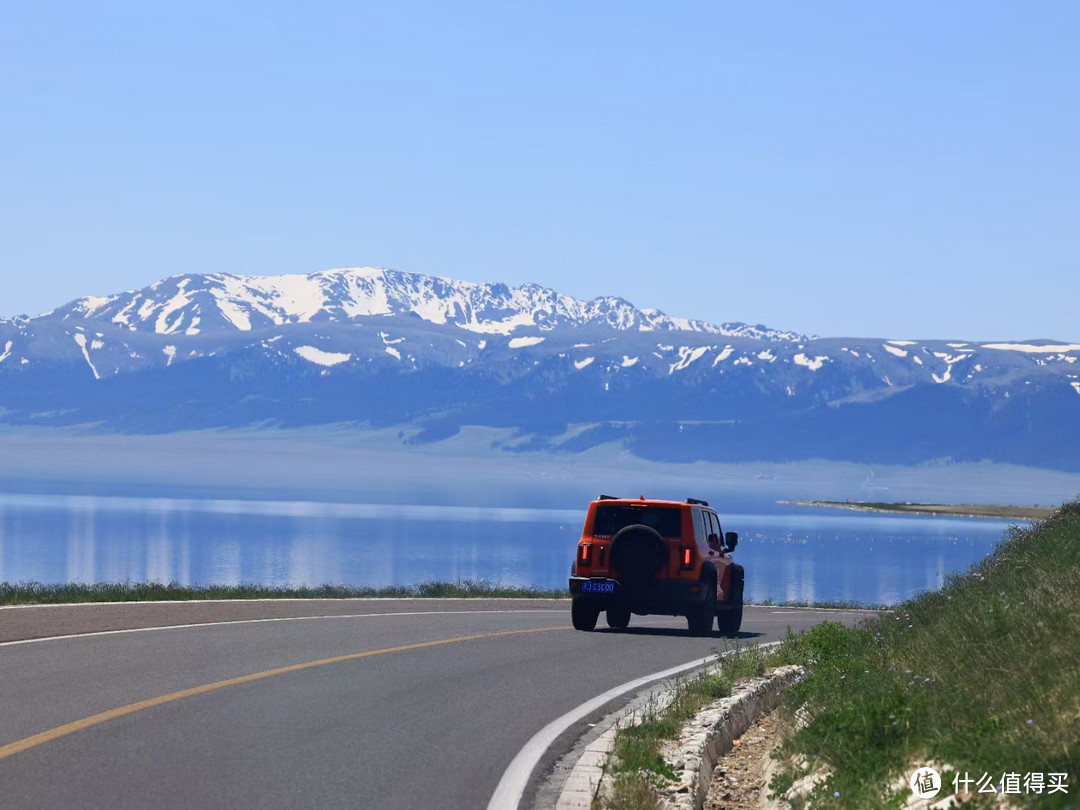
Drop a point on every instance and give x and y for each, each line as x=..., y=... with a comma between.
x=948, y=509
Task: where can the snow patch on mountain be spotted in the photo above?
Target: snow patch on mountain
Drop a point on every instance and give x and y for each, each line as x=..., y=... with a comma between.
x=316, y=355
x=234, y=314
x=724, y=355
x=521, y=342
x=580, y=364
x=687, y=356
x=177, y=302
x=80, y=339
x=811, y=363
x=93, y=303
x=894, y=350
x=1033, y=348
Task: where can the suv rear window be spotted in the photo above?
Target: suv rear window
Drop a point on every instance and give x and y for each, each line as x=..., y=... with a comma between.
x=612, y=517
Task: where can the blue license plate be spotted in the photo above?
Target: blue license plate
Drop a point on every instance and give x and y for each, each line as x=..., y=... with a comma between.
x=598, y=587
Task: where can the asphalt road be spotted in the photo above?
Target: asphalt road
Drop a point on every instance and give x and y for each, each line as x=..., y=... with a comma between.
x=422, y=703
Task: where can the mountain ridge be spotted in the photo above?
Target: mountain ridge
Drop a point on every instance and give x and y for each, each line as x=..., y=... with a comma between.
x=194, y=303
x=378, y=348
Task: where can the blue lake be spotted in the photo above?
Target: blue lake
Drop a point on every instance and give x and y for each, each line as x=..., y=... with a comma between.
x=807, y=555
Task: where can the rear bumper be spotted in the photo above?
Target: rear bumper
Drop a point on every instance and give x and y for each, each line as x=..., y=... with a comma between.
x=672, y=597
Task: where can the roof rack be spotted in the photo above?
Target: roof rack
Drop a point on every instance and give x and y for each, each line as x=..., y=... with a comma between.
x=608, y=498
x=697, y=501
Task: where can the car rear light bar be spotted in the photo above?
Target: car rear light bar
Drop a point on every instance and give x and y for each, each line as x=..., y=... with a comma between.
x=687, y=558
x=585, y=554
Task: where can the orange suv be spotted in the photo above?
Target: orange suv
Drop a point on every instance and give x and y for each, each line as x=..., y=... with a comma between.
x=660, y=557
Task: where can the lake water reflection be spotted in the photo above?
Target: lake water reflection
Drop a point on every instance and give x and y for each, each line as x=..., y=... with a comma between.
x=788, y=557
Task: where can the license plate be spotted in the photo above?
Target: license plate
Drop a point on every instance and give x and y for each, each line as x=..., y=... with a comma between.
x=598, y=587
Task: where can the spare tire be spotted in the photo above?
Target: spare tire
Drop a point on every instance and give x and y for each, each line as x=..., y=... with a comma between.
x=638, y=553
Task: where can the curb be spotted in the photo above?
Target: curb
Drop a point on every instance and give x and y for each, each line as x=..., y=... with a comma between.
x=584, y=766
x=578, y=776
x=712, y=733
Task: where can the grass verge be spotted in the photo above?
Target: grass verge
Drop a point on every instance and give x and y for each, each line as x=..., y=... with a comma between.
x=836, y=604
x=636, y=762
x=982, y=676
x=36, y=593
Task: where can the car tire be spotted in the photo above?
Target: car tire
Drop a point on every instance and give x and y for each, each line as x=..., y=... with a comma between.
x=729, y=616
x=583, y=615
x=618, y=618
x=700, y=620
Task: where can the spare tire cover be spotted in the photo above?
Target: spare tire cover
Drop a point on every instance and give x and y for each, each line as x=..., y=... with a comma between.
x=638, y=552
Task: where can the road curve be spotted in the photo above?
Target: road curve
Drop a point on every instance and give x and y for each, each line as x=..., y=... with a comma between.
x=322, y=703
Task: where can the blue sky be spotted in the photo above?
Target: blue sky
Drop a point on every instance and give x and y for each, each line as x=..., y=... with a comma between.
x=906, y=170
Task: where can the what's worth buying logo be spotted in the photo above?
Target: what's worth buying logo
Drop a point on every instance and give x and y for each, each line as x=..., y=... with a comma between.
x=926, y=783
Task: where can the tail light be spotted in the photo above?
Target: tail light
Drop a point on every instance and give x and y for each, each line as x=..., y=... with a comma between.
x=585, y=554
x=687, y=558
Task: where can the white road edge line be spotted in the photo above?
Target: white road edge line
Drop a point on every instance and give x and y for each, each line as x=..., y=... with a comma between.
x=515, y=778
x=260, y=621
x=367, y=599
x=282, y=599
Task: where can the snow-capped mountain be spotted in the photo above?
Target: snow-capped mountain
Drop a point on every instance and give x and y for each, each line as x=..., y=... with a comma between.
x=429, y=355
x=191, y=304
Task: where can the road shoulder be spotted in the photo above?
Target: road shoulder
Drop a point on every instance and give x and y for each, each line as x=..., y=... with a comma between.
x=48, y=621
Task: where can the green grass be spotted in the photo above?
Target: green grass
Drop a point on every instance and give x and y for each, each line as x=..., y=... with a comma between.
x=35, y=593
x=636, y=761
x=836, y=604
x=983, y=675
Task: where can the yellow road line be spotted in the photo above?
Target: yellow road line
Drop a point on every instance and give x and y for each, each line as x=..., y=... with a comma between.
x=103, y=717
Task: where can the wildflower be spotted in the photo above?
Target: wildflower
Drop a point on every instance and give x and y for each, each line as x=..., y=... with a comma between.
x=842, y=677
x=1030, y=721
x=836, y=794
x=907, y=671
